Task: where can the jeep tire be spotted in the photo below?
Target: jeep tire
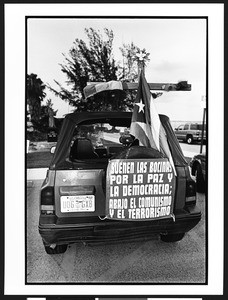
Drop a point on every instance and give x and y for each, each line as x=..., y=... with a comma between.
x=172, y=237
x=59, y=249
x=200, y=183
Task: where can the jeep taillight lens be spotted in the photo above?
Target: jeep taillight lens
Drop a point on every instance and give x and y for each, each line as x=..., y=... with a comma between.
x=190, y=192
x=47, y=200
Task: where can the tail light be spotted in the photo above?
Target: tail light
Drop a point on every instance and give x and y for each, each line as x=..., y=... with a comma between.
x=47, y=200
x=190, y=192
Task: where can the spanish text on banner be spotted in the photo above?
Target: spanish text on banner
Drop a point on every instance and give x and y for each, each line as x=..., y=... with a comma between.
x=139, y=189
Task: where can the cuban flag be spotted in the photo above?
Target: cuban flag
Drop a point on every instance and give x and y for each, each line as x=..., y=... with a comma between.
x=145, y=123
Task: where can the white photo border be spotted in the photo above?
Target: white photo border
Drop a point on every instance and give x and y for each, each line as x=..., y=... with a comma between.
x=15, y=110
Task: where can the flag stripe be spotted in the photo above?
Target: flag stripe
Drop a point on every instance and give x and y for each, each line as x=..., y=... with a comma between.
x=92, y=89
x=156, y=124
x=139, y=130
x=89, y=91
x=164, y=146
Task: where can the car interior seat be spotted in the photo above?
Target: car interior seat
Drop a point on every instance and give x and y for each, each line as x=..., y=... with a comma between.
x=82, y=148
x=135, y=143
x=115, y=150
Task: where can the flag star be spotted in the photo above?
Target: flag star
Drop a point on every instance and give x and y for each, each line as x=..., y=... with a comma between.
x=141, y=106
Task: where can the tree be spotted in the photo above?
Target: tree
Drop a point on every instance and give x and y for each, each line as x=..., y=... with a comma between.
x=92, y=62
x=95, y=63
x=35, y=95
x=43, y=125
x=128, y=70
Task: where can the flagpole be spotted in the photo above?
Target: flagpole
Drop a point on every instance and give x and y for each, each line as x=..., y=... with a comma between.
x=141, y=68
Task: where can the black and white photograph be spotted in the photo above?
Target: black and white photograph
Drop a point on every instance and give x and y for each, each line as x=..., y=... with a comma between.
x=118, y=120
x=117, y=114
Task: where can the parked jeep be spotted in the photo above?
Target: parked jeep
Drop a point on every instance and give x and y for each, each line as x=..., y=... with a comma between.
x=103, y=186
x=190, y=132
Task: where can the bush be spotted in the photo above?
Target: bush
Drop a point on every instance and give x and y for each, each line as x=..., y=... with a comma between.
x=36, y=136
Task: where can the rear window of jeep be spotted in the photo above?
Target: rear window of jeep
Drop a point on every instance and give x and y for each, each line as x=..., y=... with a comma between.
x=98, y=140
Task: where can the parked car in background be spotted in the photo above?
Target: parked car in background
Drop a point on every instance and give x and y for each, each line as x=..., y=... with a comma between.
x=102, y=186
x=198, y=169
x=190, y=132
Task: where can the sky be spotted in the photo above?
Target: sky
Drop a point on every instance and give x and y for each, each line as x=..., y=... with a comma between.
x=177, y=50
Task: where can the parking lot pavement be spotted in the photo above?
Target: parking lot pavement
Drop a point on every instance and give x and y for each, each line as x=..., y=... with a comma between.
x=192, y=149
x=36, y=173
x=132, y=262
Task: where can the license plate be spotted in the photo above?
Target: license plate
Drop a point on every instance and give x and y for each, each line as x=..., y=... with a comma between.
x=77, y=203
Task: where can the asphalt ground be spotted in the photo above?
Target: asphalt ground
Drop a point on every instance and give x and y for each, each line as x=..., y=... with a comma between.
x=150, y=261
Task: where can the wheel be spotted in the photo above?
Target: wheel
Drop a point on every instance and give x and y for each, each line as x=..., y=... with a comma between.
x=200, y=183
x=172, y=237
x=57, y=250
x=189, y=139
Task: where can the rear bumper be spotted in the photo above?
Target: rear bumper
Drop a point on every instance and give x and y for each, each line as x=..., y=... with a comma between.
x=108, y=230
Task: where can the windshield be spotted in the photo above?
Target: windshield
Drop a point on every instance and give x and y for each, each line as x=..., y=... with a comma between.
x=98, y=140
x=88, y=136
x=102, y=134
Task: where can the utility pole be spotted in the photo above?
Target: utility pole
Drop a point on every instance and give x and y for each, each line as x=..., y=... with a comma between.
x=203, y=99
